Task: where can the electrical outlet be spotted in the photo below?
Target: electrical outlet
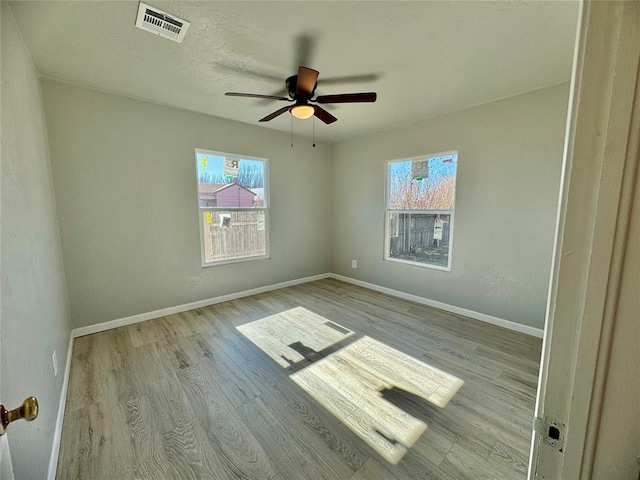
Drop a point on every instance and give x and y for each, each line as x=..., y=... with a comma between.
x=354, y=264
x=54, y=360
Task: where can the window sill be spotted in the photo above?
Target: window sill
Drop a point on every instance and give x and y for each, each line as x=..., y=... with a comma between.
x=418, y=264
x=235, y=260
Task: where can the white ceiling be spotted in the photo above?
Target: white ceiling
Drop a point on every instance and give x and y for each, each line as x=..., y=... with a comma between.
x=430, y=57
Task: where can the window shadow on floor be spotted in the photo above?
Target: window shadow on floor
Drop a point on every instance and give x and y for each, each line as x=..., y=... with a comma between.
x=414, y=405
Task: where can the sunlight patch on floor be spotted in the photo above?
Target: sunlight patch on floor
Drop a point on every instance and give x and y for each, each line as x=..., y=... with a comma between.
x=349, y=384
x=274, y=335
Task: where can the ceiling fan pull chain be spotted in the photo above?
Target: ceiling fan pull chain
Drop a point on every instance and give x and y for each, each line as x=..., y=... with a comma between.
x=291, y=131
x=314, y=131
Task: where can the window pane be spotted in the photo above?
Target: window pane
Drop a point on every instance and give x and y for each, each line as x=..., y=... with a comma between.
x=233, y=234
x=423, y=184
x=230, y=182
x=419, y=237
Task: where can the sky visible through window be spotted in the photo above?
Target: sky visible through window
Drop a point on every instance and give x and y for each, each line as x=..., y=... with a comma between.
x=211, y=170
x=435, y=191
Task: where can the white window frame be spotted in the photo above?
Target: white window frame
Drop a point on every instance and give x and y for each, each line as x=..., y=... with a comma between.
x=264, y=208
x=388, y=210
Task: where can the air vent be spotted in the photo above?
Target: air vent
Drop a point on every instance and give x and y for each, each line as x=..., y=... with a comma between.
x=161, y=23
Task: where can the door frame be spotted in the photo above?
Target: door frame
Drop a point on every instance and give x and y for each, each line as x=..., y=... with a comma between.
x=589, y=253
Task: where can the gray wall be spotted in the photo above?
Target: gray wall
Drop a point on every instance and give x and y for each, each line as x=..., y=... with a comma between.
x=510, y=154
x=34, y=315
x=125, y=183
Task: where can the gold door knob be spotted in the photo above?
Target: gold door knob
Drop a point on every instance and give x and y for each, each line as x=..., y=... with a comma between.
x=28, y=410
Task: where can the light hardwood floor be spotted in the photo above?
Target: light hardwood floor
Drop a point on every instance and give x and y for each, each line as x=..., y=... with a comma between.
x=188, y=396
x=351, y=382
x=276, y=334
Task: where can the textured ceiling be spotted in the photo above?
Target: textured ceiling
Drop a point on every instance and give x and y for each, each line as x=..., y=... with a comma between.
x=429, y=57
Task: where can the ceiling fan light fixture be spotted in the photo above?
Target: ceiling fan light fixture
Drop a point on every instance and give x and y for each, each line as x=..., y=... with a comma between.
x=302, y=111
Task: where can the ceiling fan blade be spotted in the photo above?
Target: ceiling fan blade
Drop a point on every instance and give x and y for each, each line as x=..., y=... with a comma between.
x=368, y=77
x=280, y=93
x=307, y=78
x=305, y=45
x=245, y=72
x=323, y=115
x=257, y=95
x=348, y=98
x=275, y=114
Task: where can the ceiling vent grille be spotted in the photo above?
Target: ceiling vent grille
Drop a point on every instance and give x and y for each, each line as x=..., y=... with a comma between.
x=161, y=23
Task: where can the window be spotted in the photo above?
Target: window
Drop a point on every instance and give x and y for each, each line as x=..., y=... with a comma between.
x=233, y=203
x=420, y=209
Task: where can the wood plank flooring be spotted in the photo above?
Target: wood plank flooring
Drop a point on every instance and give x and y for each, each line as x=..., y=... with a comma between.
x=350, y=384
x=276, y=334
x=187, y=396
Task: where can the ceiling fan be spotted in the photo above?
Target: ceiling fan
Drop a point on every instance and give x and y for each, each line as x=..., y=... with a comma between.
x=301, y=88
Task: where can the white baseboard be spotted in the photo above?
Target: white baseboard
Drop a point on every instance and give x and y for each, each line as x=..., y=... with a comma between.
x=518, y=327
x=121, y=322
x=57, y=434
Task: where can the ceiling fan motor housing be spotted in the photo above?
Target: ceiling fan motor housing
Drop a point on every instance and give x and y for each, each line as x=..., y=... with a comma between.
x=292, y=88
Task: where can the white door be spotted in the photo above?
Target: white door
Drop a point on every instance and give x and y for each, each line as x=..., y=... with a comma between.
x=6, y=469
x=592, y=261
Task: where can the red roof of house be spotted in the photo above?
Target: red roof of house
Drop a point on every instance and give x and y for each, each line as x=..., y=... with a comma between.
x=215, y=188
x=231, y=185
